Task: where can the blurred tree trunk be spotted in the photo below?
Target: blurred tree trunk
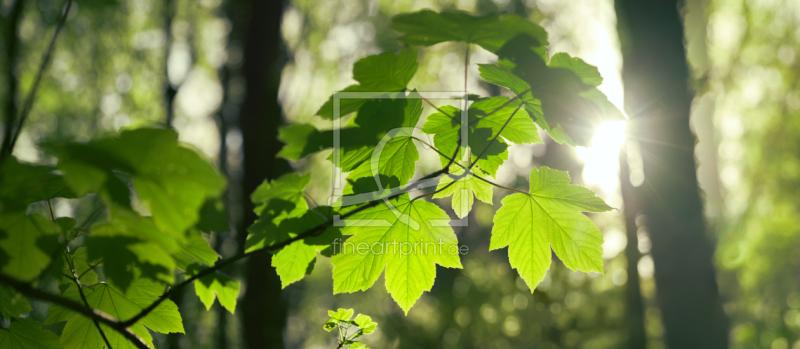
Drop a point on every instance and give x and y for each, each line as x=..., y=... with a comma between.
x=658, y=99
x=634, y=305
x=169, y=90
x=256, y=29
x=11, y=46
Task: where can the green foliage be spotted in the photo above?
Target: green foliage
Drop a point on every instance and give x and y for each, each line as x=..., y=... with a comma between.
x=155, y=202
x=340, y=320
x=80, y=332
x=27, y=334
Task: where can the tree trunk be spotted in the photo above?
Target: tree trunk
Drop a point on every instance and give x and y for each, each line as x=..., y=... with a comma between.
x=657, y=97
x=11, y=42
x=634, y=306
x=257, y=29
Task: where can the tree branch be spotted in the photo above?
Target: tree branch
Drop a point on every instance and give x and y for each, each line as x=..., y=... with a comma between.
x=94, y=314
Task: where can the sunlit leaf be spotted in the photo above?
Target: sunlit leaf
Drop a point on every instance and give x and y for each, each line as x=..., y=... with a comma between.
x=550, y=216
x=408, y=242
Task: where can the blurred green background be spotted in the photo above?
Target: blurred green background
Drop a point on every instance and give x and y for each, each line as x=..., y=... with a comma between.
x=195, y=64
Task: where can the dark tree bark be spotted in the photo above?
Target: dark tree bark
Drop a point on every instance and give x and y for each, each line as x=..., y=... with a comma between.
x=256, y=27
x=169, y=91
x=634, y=305
x=657, y=97
x=11, y=46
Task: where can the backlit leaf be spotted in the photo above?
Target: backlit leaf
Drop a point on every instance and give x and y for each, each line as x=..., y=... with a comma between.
x=550, y=216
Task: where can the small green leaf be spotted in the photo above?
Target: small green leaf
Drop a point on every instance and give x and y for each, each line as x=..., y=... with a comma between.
x=550, y=216
x=215, y=285
x=341, y=314
x=463, y=190
x=330, y=325
x=27, y=334
x=366, y=324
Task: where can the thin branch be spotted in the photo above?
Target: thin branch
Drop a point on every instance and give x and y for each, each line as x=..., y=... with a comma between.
x=8, y=146
x=94, y=314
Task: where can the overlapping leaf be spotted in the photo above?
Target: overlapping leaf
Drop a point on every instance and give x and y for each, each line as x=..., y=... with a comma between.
x=463, y=189
x=215, y=286
x=173, y=181
x=407, y=238
x=486, y=118
x=427, y=28
x=80, y=331
x=550, y=216
x=284, y=214
x=385, y=72
x=571, y=105
x=29, y=243
x=27, y=334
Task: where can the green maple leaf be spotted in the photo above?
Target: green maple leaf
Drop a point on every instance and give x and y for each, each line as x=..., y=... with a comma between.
x=427, y=28
x=550, y=216
x=385, y=72
x=409, y=270
x=463, y=190
x=80, y=331
x=27, y=334
x=29, y=242
x=215, y=286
